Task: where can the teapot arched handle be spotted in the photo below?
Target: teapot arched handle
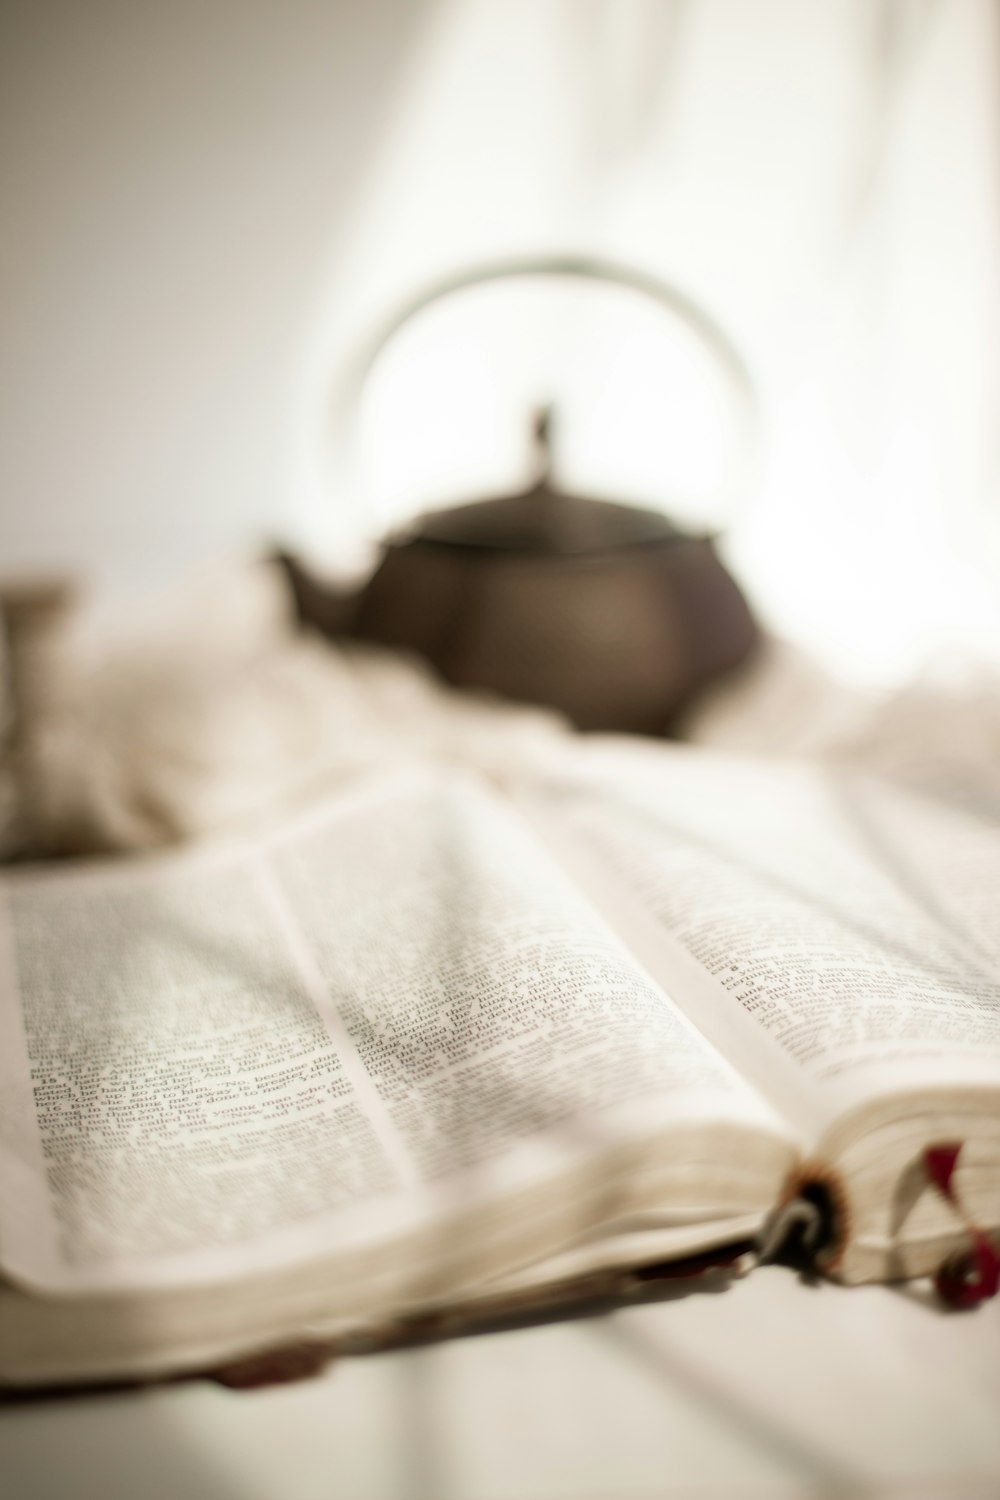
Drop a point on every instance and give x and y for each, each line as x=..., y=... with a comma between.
x=743, y=396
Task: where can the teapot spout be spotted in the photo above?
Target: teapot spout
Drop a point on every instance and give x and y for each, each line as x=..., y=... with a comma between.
x=331, y=609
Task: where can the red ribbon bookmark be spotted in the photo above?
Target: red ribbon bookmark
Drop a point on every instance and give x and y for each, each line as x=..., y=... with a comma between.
x=971, y=1276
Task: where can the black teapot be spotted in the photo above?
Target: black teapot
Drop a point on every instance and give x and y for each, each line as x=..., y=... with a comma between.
x=603, y=611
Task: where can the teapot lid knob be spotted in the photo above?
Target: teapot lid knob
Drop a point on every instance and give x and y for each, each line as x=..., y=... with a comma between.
x=542, y=434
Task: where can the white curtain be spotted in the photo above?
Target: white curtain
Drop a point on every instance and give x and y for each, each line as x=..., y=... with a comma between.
x=823, y=178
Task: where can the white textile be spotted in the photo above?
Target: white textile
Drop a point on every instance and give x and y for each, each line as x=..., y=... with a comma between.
x=206, y=707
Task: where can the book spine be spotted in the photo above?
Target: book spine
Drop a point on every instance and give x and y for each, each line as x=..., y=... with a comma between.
x=810, y=1227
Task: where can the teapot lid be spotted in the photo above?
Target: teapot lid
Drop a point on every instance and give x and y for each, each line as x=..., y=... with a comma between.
x=544, y=519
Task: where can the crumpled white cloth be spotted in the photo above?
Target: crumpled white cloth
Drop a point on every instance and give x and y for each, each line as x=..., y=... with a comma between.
x=189, y=714
x=192, y=713
x=938, y=733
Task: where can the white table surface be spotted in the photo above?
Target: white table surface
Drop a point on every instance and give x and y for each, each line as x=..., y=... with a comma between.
x=768, y=1388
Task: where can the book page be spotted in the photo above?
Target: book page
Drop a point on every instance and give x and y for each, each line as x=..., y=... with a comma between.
x=184, y=1093
x=840, y=937
x=485, y=997
x=236, y=1058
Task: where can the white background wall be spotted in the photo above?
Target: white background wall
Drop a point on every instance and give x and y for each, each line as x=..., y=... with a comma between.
x=176, y=180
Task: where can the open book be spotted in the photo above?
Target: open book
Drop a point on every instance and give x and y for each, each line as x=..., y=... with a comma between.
x=440, y=1043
